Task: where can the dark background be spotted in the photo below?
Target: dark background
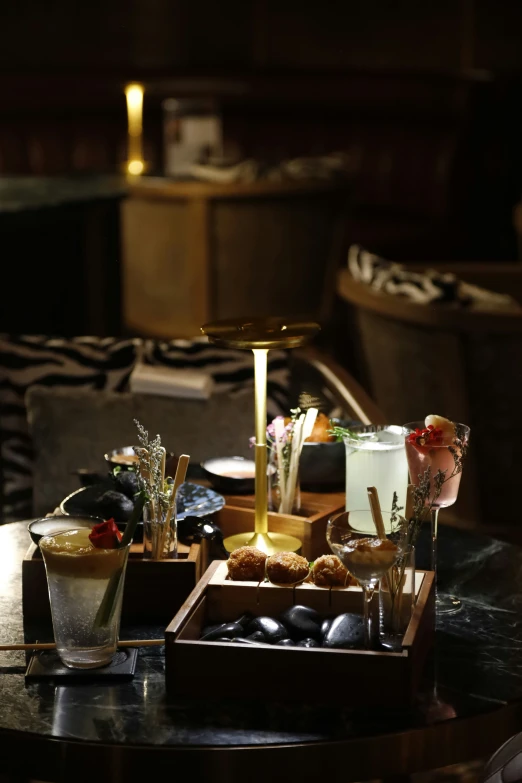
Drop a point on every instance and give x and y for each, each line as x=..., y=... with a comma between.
x=424, y=95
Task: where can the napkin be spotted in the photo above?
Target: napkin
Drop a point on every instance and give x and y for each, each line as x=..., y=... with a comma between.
x=171, y=382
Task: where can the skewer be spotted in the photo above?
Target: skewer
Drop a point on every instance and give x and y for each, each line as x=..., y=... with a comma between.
x=52, y=645
x=179, y=478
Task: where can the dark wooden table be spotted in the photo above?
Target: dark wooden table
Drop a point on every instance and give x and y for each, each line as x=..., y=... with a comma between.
x=118, y=732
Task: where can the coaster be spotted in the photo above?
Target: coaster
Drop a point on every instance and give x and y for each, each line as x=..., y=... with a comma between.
x=46, y=665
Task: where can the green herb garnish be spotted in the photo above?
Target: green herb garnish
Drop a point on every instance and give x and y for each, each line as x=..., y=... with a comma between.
x=343, y=432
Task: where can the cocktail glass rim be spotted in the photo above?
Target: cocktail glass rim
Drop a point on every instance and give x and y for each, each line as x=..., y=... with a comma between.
x=395, y=429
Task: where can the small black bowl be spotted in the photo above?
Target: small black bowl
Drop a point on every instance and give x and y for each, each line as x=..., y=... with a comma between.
x=49, y=526
x=230, y=475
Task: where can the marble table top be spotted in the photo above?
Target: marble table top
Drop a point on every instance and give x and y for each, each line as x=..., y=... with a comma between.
x=18, y=194
x=477, y=663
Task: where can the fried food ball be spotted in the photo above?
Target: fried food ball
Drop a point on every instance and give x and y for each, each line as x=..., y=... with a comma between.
x=328, y=571
x=287, y=568
x=247, y=564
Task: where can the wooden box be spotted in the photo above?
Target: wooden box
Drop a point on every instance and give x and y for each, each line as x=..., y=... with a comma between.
x=154, y=590
x=237, y=516
x=353, y=677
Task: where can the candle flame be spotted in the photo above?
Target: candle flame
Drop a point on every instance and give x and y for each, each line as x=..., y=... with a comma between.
x=134, y=96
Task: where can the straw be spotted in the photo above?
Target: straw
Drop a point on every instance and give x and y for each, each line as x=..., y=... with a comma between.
x=279, y=431
x=292, y=469
x=375, y=507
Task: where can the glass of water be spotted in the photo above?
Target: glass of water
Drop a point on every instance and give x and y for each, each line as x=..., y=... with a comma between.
x=375, y=457
x=80, y=577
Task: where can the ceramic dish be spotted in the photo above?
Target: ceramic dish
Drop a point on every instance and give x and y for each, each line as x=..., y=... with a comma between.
x=123, y=457
x=192, y=500
x=231, y=475
x=49, y=526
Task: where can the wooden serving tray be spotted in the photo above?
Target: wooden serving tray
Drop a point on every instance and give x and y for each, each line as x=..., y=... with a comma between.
x=237, y=516
x=154, y=590
x=352, y=677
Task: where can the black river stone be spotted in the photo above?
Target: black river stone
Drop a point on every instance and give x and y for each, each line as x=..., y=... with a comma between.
x=325, y=626
x=272, y=629
x=228, y=630
x=302, y=622
x=308, y=643
x=346, y=632
x=257, y=636
x=285, y=643
x=245, y=619
x=245, y=640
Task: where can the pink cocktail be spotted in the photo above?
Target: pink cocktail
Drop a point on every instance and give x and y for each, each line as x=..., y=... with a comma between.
x=436, y=458
x=439, y=450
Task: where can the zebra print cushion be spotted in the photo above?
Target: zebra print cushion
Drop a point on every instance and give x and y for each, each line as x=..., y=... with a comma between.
x=103, y=363
x=231, y=370
x=87, y=362
x=428, y=287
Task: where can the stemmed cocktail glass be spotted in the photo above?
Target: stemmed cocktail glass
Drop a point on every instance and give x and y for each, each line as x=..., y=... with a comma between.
x=364, y=554
x=437, y=453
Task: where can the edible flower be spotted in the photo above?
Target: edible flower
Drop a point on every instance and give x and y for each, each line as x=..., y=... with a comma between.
x=429, y=436
x=105, y=535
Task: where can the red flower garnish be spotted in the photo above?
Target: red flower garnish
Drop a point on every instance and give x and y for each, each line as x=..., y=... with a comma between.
x=105, y=535
x=429, y=436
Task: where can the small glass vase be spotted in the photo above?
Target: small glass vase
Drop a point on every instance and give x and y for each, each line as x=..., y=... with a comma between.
x=160, y=538
x=396, y=600
x=274, y=489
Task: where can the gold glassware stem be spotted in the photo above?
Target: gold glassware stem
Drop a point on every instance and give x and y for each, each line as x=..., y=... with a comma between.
x=260, y=376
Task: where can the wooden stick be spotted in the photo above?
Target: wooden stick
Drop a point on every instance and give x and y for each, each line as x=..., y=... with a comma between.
x=52, y=645
x=179, y=478
x=373, y=497
x=408, y=511
x=279, y=432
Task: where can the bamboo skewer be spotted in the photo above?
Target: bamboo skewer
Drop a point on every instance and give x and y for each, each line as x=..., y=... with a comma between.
x=52, y=645
x=279, y=431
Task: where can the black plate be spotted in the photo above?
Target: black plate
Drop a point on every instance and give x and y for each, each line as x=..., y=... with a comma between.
x=192, y=500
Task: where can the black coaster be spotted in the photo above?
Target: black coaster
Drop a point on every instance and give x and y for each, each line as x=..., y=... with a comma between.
x=46, y=665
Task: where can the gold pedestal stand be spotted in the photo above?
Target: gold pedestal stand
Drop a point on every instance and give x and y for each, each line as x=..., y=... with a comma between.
x=260, y=335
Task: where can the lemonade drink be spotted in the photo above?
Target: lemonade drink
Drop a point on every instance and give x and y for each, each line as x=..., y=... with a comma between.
x=78, y=575
x=376, y=458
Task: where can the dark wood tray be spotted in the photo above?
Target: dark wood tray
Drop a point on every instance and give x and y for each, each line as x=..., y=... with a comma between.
x=154, y=590
x=237, y=516
x=353, y=677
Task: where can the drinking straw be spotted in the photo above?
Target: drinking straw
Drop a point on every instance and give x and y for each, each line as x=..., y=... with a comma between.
x=375, y=506
x=279, y=431
x=294, y=460
x=108, y=602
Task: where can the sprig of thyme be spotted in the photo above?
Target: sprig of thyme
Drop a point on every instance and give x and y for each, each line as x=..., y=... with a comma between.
x=342, y=432
x=150, y=456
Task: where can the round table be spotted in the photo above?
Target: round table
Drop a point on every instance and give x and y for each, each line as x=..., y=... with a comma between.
x=112, y=732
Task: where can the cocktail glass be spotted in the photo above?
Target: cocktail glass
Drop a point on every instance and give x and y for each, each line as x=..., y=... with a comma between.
x=437, y=457
x=375, y=457
x=81, y=578
x=343, y=531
